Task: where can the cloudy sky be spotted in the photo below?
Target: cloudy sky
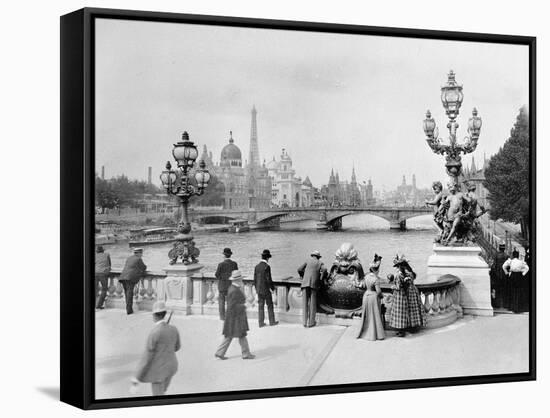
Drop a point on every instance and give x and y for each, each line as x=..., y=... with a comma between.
x=332, y=100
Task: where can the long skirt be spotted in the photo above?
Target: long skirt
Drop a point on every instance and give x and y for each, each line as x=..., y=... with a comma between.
x=416, y=309
x=372, y=326
x=400, y=310
x=519, y=292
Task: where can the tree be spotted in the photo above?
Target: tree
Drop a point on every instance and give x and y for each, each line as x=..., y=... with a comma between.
x=507, y=177
x=213, y=195
x=105, y=196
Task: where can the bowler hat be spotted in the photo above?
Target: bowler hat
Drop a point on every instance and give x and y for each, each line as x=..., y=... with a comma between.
x=316, y=253
x=159, y=307
x=227, y=251
x=236, y=275
x=266, y=253
x=99, y=249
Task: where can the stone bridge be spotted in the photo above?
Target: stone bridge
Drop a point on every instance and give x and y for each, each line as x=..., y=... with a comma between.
x=327, y=217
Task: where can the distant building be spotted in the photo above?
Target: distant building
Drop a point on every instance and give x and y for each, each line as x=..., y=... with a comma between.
x=245, y=186
x=287, y=190
x=407, y=194
x=475, y=175
x=337, y=193
x=367, y=193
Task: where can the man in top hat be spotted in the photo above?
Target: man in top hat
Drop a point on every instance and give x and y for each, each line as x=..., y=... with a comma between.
x=159, y=363
x=311, y=272
x=236, y=322
x=223, y=273
x=134, y=269
x=264, y=286
x=102, y=271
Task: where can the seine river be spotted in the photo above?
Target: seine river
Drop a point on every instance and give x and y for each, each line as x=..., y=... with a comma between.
x=291, y=245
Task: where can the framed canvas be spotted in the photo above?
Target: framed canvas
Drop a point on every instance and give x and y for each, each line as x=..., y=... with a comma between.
x=256, y=208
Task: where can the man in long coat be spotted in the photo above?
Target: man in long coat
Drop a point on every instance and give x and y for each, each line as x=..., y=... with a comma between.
x=264, y=286
x=236, y=322
x=499, y=281
x=133, y=271
x=223, y=273
x=159, y=363
x=102, y=271
x=311, y=272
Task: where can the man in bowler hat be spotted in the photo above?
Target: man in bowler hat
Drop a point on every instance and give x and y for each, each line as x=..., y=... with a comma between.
x=311, y=272
x=133, y=271
x=236, y=322
x=264, y=286
x=159, y=363
x=223, y=273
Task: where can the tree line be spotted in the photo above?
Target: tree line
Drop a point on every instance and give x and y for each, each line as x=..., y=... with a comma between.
x=507, y=177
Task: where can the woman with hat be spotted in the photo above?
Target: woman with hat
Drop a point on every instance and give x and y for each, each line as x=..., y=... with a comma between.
x=407, y=312
x=517, y=270
x=372, y=325
x=236, y=322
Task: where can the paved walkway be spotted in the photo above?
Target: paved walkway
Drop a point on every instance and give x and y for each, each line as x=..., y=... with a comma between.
x=289, y=355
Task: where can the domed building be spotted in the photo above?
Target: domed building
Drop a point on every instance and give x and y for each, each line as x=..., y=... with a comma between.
x=231, y=154
x=246, y=185
x=286, y=187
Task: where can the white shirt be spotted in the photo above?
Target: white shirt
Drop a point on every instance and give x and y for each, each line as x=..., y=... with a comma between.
x=515, y=265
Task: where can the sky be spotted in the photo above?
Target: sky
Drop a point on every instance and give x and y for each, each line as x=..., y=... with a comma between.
x=333, y=101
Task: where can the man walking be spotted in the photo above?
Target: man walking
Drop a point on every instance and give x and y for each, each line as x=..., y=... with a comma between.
x=102, y=270
x=311, y=272
x=133, y=271
x=264, y=286
x=223, y=273
x=159, y=363
x=236, y=322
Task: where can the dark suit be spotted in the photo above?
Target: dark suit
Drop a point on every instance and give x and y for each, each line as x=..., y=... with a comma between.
x=133, y=271
x=159, y=363
x=236, y=322
x=311, y=272
x=223, y=272
x=264, y=285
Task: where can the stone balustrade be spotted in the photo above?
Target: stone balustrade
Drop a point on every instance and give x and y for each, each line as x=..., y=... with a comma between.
x=441, y=299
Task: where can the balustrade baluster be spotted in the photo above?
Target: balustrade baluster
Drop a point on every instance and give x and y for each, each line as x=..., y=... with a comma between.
x=149, y=291
x=216, y=292
x=111, y=289
x=119, y=290
x=427, y=304
x=209, y=293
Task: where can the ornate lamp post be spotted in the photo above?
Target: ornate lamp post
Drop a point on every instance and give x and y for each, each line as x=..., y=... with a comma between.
x=177, y=183
x=451, y=98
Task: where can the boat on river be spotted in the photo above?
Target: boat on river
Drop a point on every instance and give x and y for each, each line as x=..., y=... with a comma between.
x=239, y=225
x=149, y=236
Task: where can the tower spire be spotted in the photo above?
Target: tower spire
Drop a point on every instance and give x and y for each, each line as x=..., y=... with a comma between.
x=254, y=154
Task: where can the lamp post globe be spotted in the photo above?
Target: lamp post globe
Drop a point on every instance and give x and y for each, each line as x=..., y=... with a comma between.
x=452, y=96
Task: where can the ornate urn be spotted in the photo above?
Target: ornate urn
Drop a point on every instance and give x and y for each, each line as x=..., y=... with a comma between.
x=340, y=292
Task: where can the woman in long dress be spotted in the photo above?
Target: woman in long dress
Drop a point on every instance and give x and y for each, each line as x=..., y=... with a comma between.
x=407, y=312
x=372, y=326
x=517, y=271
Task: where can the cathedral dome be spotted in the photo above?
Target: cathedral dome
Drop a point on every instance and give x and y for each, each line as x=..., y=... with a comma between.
x=231, y=154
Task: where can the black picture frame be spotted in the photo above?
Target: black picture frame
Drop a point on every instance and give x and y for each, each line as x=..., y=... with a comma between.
x=77, y=200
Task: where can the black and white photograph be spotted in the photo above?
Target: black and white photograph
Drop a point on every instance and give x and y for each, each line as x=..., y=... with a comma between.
x=279, y=209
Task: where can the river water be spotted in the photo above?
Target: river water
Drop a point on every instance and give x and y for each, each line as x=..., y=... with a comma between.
x=292, y=243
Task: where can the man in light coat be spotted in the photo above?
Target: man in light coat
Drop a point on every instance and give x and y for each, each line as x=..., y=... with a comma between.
x=159, y=363
x=311, y=272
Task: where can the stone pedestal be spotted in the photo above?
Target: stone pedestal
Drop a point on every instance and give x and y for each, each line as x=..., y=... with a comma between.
x=178, y=287
x=473, y=272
